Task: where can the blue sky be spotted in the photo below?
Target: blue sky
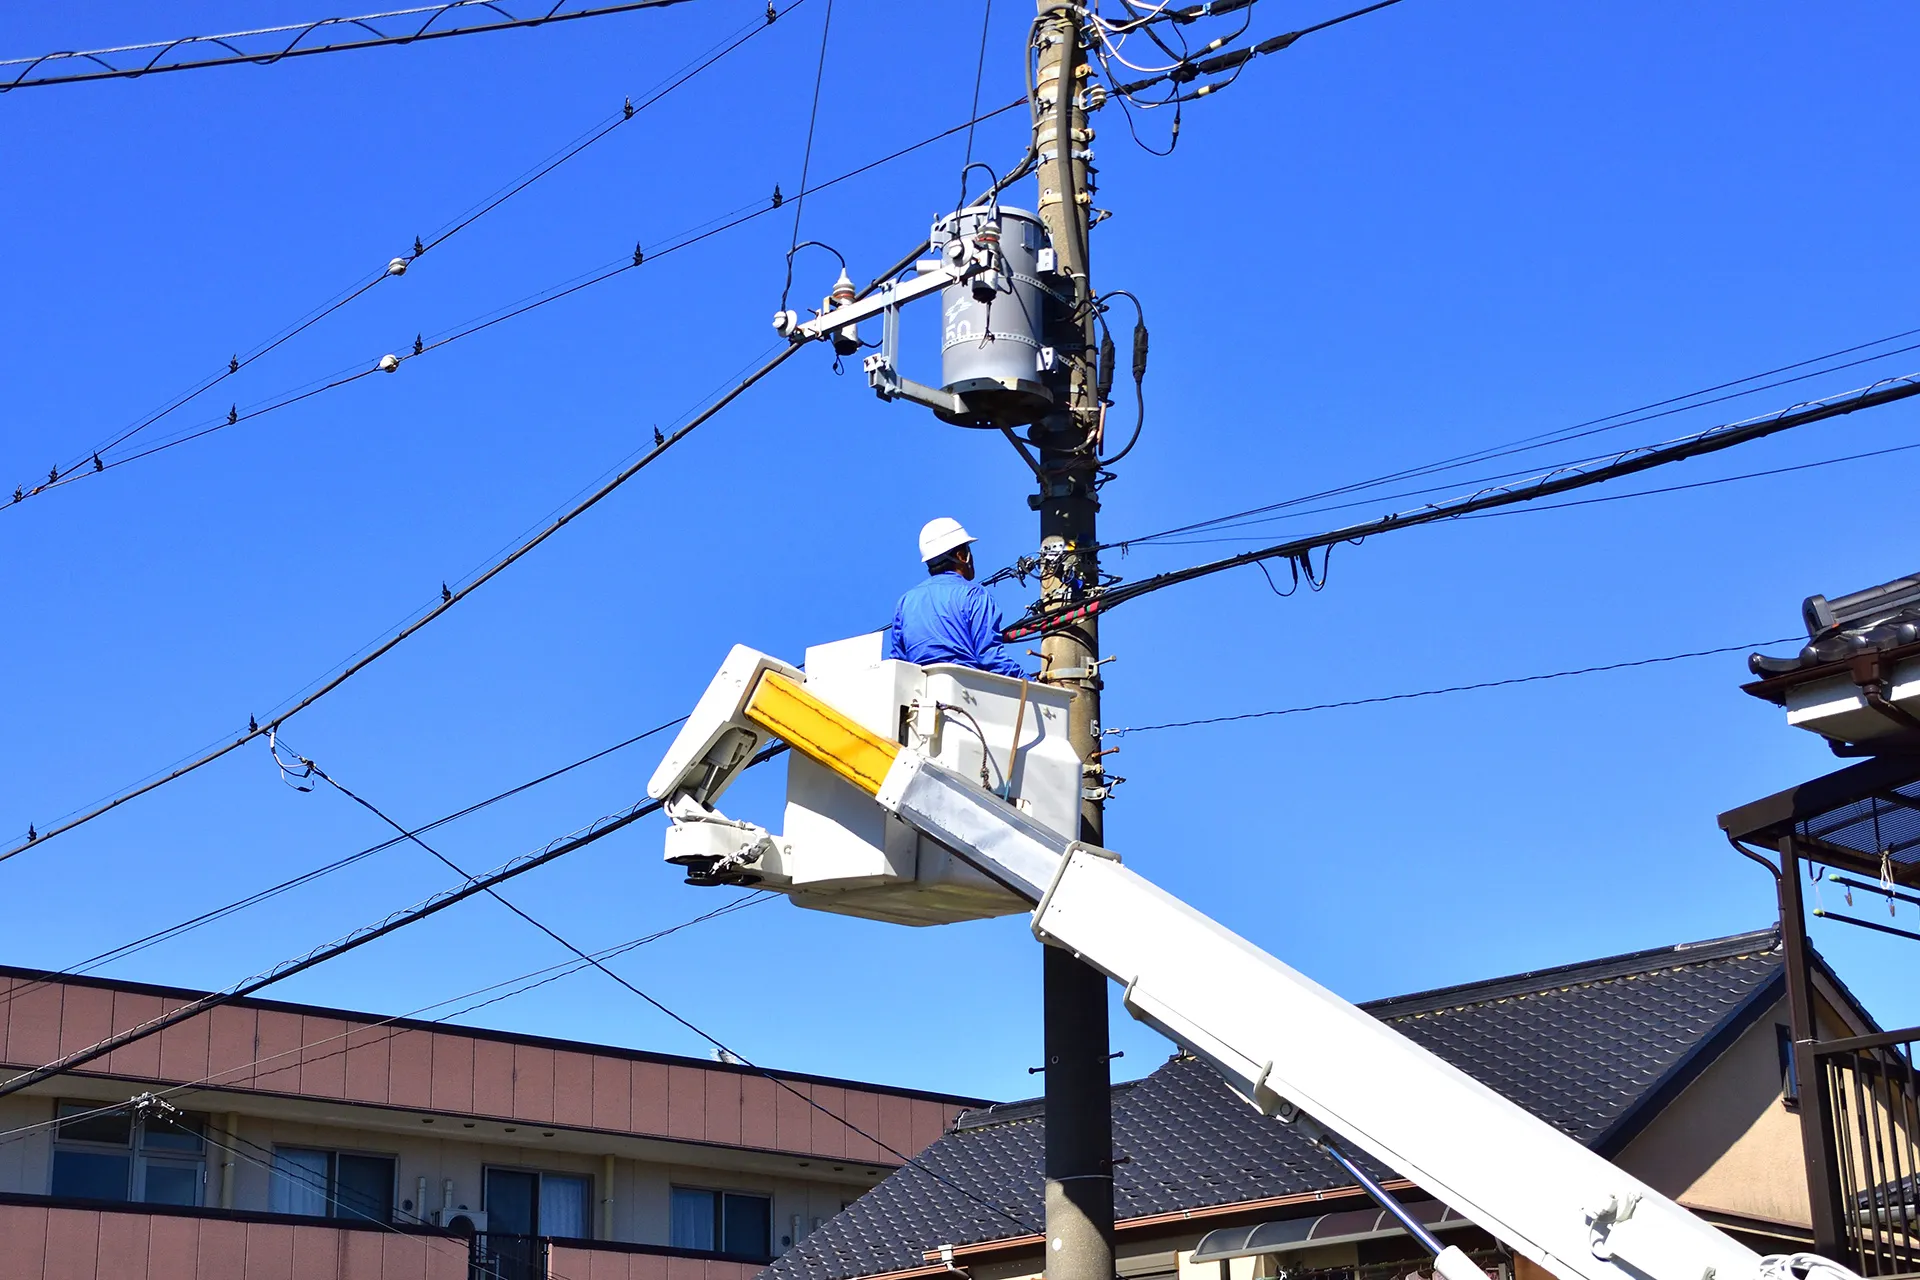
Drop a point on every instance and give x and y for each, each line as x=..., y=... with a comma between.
x=1434, y=229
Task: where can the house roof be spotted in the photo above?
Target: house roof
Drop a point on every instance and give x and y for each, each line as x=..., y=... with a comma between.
x=1595, y=1049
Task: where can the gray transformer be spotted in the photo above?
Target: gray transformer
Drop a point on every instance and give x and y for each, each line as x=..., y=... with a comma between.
x=991, y=352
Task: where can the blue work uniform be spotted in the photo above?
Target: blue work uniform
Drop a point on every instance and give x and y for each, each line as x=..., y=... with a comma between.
x=948, y=619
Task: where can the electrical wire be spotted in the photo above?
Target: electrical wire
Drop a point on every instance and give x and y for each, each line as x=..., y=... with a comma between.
x=398, y=266
x=1434, y=693
x=979, y=76
x=1593, y=426
x=121, y=952
x=806, y=158
x=595, y=831
x=106, y=69
x=515, y=986
x=730, y=1053
x=393, y=362
x=1629, y=462
x=1698, y=484
x=1490, y=481
x=449, y=598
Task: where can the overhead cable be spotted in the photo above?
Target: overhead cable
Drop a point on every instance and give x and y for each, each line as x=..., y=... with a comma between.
x=1231, y=60
x=264, y=46
x=449, y=598
x=21, y=987
x=1526, y=444
x=598, y=830
x=392, y=362
x=92, y=461
x=1545, y=506
x=728, y=1052
x=1434, y=693
x=1629, y=462
x=495, y=993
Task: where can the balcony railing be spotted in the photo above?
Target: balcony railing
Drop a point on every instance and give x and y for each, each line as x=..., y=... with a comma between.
x=1871, y=1128
x=499, y=1256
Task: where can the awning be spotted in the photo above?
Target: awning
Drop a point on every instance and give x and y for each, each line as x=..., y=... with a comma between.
x=1293, y=1234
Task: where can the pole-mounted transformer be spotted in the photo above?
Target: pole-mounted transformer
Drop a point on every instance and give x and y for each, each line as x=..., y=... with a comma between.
x=996, y=273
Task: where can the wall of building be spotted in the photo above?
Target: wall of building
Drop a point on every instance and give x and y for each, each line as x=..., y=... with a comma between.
x=642, y=1189
x=583, y=1263
x=1730, y=1143
x=47, y=1243
x=353, y=1058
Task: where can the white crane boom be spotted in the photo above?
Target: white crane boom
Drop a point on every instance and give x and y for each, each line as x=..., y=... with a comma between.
x=1293, y=1048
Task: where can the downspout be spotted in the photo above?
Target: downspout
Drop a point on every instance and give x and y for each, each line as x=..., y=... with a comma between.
x=606, y=1197
x=232, y=1126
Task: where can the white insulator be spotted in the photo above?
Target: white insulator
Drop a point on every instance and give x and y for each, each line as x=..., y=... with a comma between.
x=389, y=362
x=398, y=267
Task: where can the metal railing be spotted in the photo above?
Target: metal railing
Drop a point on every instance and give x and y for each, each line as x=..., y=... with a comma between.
x=1872, y=1100
x=499, y=1256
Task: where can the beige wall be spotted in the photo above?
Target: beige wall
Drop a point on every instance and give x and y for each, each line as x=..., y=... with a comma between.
x=1729, y=1143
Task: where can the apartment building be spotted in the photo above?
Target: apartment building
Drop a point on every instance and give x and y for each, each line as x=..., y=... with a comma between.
x=264, y=1139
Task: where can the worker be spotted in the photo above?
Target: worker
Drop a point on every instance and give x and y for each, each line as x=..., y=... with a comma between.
x=948, y=617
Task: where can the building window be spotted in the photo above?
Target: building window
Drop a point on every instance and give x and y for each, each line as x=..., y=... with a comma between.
x=528, y=1202
x=114, y=1154
x=1789, y=1069
x=332, y=1184
x=728, y=1222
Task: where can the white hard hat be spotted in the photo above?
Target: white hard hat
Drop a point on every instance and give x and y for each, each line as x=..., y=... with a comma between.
x=940, y=536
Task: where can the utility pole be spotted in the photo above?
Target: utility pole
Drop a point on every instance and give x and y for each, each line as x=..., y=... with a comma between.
x=1079, y=1157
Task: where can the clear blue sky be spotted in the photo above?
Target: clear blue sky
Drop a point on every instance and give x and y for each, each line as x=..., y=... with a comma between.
x=1439, y=227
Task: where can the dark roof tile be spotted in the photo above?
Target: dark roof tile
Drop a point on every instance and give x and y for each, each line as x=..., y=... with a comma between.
x=1581, y=1046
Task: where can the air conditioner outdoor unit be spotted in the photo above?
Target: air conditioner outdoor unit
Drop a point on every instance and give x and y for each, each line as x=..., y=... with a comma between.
x=464, y=1221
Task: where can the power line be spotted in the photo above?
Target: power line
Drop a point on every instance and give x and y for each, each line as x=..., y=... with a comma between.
x=276, y=44
x=1433, y=693
x=1712, y=440
x=398, y=266
x=1698, y=484
x=599, y=829
x=449, y=598
x=1559, y=506
x=519, y=985
x=1186, y=71
x=651, y=1000
x=1526, y=444
x=488, y=884
x=126, y=949
x=391, y=363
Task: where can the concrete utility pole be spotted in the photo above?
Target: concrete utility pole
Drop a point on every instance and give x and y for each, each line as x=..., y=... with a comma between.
x=1079, y=1160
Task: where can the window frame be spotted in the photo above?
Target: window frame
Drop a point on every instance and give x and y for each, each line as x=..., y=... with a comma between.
x=331, y=1191
x=139, y=1155
x=720, y=1195
x=539, y=1174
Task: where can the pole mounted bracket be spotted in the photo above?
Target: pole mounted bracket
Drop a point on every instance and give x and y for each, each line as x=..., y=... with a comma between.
x=887, y=383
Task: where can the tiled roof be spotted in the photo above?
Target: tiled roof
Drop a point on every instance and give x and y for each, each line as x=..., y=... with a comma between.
x=1594, y=1049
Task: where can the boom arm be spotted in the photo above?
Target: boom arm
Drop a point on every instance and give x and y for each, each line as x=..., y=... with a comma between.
x=1293, y=1048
